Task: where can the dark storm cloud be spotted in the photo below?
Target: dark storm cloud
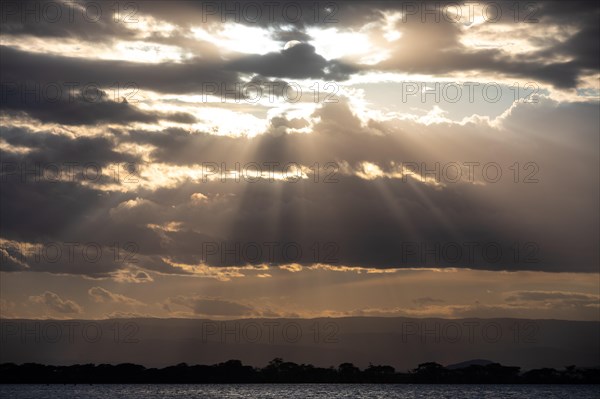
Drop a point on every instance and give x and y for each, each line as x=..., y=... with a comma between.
x=72, y=257
x=27, y=87
x=371, y=223
x=583, y=47
x=367, y=221
x=44, y=201
x=426, y=47
x=48, y=148
x=92, y=21
x=298, y=62
x=355, y=226
x=190, y=77
x=62, y=19
x=30, y=211
x=369, y=234
x=74, y=231
x=69, y=111
x=83, y=107
x=435, y=48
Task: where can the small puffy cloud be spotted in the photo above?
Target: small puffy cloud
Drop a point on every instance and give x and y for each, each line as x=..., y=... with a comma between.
x=102, y=295
x=56, y=303
x=198, y=198
x=132, y=276
x=292, y=268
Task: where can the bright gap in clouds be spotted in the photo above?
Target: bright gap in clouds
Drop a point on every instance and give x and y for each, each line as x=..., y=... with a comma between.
x=332, y=44
x=239, y=38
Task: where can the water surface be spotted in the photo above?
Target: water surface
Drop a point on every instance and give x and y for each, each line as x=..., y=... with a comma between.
x=299, y=391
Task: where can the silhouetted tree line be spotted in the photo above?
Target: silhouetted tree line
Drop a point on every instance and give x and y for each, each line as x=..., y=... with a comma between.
x=279, y=371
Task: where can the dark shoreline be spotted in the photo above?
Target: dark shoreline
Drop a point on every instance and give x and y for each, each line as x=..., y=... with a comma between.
x=281, y=372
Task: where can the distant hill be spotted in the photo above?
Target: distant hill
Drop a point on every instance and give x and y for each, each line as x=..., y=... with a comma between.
x=467, y=363
x=395, y=341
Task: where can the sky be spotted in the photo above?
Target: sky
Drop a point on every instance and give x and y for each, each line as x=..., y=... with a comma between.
x=226, y=160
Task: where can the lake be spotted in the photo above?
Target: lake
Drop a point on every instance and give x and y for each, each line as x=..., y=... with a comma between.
x=300, y=391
